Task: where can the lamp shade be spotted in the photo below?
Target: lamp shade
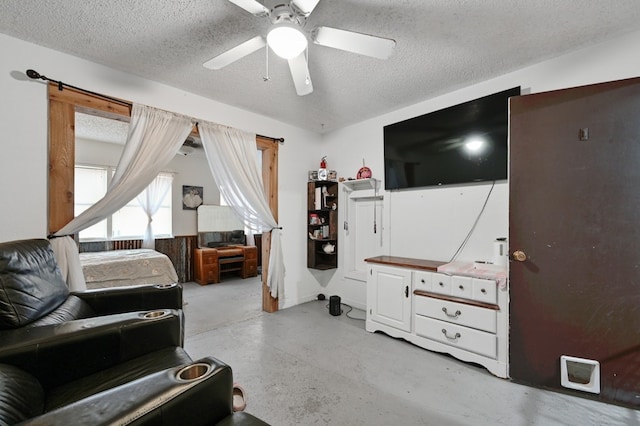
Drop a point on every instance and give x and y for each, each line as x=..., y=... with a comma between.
x=286, y=41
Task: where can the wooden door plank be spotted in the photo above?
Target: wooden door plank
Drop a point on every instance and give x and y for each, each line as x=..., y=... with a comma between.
x=61, y=165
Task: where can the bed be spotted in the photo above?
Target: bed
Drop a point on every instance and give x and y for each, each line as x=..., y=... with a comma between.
x=116, y=268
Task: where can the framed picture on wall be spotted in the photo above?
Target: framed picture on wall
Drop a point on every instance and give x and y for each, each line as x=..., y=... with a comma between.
x=192, y=197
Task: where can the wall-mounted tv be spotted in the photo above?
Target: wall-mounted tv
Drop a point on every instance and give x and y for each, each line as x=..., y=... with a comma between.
x=461, y=144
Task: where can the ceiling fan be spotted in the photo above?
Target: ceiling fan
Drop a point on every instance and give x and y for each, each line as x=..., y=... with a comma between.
x=287, y=39
x=189, y=146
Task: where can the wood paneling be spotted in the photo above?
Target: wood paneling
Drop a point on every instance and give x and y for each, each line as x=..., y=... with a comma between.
x=180, y=251
x=61, y=164
x=83, y=101
x=269, y=149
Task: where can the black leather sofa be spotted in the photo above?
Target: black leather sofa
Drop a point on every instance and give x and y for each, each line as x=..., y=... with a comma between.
x=195, y=393
x=111, y=356
x=32, y=292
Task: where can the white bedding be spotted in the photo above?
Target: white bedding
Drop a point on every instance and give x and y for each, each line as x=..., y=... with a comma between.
x=126, y=267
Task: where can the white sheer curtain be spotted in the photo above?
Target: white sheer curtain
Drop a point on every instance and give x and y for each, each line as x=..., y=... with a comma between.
x=153, y=140
x=231, y=154
x=150, y=199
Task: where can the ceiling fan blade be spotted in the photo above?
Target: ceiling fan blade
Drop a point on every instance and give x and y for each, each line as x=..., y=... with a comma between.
x=305, y=7
x=252, y=6
x=350, y=41
x=300, y=74
x=238, y=52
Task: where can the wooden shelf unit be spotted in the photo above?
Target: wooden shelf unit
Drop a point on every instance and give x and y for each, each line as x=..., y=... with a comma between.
x=322, y=224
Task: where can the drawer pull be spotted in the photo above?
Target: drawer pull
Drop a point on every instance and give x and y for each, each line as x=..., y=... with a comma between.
x=483, y=291
x=441, y=284
x=461, y=287
x=422, y=281
x=455, y=337
x=455, y=315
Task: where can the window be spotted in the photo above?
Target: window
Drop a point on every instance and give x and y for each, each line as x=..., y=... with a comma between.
x=130, y=221
x=90, y=186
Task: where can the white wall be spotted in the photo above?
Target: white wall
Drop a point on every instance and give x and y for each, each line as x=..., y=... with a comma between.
x=23, y=159
x=431, y=223
x=425, y=223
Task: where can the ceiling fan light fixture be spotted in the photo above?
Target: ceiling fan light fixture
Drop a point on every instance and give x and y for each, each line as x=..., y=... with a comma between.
x=186, y=150
x=286, y=40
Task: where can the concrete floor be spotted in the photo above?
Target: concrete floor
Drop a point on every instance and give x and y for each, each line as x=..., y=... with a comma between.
x=302, y=366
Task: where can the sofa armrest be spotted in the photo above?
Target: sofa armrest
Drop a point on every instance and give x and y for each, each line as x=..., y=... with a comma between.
x=199, y=393
x=59, y=353
x=115, y=300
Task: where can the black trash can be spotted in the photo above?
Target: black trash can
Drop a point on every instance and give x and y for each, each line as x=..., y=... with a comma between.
x=334, y=306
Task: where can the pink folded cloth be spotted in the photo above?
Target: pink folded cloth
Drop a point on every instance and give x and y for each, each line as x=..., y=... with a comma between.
x=469, y=269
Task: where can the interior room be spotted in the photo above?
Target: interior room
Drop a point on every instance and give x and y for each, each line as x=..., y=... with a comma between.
x=363, y=247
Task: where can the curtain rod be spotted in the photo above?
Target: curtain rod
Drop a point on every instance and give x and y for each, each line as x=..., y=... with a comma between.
x=37, y=76
x=32, y=74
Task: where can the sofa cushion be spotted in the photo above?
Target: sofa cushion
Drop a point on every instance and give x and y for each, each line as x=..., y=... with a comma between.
x=21, y=396
x=31, y=285
x=73, y=308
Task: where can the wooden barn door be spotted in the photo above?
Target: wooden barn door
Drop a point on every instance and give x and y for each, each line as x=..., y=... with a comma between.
x=575, y=235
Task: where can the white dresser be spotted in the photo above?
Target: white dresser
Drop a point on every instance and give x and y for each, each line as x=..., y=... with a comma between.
x=463, y=315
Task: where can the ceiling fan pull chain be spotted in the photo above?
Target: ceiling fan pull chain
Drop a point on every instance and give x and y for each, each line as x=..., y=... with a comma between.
x=266, y=54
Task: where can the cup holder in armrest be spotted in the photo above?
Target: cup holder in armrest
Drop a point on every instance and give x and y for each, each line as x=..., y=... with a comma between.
x=155, y=314
x=193, y=372
x=163, y=286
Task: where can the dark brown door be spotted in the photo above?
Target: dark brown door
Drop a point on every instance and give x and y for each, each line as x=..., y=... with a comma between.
x=575, y=214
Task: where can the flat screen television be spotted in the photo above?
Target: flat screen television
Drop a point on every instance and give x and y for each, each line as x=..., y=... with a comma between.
x=461, y=144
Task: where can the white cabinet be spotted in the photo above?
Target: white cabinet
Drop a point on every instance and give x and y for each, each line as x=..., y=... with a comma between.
x=389, y=301
x=465, y=316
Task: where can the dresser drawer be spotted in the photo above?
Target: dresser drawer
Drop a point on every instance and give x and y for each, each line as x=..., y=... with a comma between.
x=210, y=259
x=210, y=274
x=250, y=268
x=457, y=313
x=250, y=252
x=484, y=290
x=441, y=283
x=461, y=286
x=422, y=280
x=465, y=338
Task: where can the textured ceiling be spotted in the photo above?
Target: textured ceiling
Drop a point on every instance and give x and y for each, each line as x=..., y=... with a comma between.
x=442, y=45
x=93, y=127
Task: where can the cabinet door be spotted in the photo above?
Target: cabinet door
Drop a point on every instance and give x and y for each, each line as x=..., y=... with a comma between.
x=389, y=297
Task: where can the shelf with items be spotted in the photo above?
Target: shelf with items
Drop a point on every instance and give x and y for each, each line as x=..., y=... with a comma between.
x=361, y=184
x=322, y=224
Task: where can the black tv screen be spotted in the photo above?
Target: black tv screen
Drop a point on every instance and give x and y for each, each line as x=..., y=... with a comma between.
x=461, y=144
